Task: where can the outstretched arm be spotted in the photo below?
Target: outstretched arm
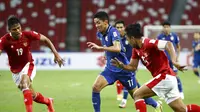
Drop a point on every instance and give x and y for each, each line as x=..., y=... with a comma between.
x=57, y=59
x=170, y=49
x=132, y=66
x=115, y=48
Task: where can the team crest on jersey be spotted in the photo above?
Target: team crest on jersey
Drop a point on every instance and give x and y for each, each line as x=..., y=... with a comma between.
x=106, y=38
x=25, y=44
x=11, y=46
x=172, y=38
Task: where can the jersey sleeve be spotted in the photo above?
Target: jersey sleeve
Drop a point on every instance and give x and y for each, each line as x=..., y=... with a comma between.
x=32, y=35
x=115, y=35
x=177, y=40
x=159, y=44
x=134, y=54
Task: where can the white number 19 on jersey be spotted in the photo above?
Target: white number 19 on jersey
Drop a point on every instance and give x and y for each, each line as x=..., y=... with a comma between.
x=19, y=51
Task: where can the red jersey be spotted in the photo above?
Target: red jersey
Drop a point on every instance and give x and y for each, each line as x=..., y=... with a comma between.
x=152, y=57
x=18, y=51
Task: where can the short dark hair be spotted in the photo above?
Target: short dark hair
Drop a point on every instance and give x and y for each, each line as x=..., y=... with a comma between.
x=102, y=15
x=119, y=22
x=12, y=20
x=166, y=23
x=134, y=30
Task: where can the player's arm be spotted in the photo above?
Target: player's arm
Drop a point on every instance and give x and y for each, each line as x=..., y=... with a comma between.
x=115, y=48
x=168, y=46
x=132, y=66
x=58, y=59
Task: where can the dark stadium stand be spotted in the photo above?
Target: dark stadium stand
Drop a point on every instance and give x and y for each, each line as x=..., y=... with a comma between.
x=128, y=10
x=48, y=18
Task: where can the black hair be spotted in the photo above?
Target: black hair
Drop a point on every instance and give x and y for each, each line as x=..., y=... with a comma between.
x=102, y=15
x=119, y=22
x=134, y=30
x=166, y=23
x=12, y=20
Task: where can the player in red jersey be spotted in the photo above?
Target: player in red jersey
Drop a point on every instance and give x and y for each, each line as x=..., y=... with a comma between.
x=164, y=83
x=16, y=44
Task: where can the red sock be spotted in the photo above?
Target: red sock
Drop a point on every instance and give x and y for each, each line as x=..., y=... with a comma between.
x=193, y=108
x=140, y=105
x=41, y=99
x=28, y=100
x=119, y=87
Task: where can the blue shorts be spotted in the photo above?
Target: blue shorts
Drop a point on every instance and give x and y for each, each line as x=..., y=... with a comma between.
x=127, y=79
x=196, y=63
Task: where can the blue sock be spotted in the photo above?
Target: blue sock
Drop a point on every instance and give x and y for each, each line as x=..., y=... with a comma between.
x=96, y=101
x=197, y=74
x=180, y=88
x=125, y=95
x=151, y=101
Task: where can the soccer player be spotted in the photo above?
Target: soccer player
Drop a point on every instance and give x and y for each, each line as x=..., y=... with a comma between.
x=110, y=39
x=196, y=54
x=120, y=26
x=16, y=44
x=172, y=37
x=164, y=83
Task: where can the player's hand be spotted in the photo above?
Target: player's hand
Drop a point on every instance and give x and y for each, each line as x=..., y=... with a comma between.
x=181, y=68
x=59, y=60
x=117, y=63
x=94, y=46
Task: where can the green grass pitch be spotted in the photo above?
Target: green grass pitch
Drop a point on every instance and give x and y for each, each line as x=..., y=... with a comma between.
x=71, y=91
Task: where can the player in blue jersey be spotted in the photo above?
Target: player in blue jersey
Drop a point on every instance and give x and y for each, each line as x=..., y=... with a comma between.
x=111, y=44
x=196, y=54
x=172, y=37
x=120, y=26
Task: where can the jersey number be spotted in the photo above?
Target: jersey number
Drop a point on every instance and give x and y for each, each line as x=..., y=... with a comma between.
x=130, y=83
x=144, y=60
x=19, y=51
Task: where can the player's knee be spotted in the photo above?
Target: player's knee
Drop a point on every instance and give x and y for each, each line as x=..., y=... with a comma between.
x=96, y=88
x=137, y=95
x=23, y=86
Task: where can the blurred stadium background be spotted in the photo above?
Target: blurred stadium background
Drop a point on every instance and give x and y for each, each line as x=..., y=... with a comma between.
x=69, y=25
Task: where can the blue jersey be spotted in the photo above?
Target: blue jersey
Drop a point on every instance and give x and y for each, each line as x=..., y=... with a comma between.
x=107, y=40
x=128, y=48
x=196, y=53
x=172, y=37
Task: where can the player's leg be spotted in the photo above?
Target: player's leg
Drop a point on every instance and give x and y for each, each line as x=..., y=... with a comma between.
x=124, y=100
x=101, y=81
x=139, y=95
x=39, y=98
x=24, y=87
x=195, y=69
x=180, y=87
x=119, y=87
x=178, y=106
